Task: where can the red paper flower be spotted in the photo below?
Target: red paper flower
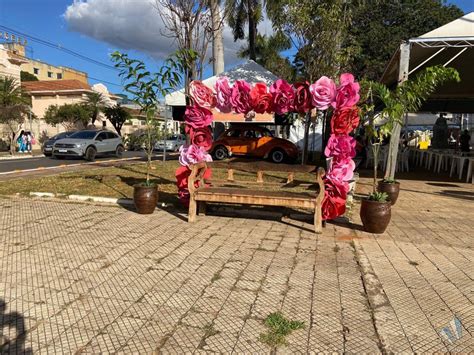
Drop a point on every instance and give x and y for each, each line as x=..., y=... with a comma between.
x=282, y=96
x=345, y=120
x=334, y=203
x=197, y=117
x=303, y=98
x=347, y=92
x=202, y=95
x=260, y=98
x=240, y=97
x=202, y=137
x=182, y=175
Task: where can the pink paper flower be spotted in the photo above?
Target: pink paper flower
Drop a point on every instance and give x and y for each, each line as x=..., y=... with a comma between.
x=347, y=92
x=342, y=169
x=202, y=137
x=223, y=94
x=324, y=93
x=283, y=97
x=303, y=98
x=197, y=117
x=261, y=99
x=340, y=147
x=192, y=154
x=240, y=98
x=202, y=95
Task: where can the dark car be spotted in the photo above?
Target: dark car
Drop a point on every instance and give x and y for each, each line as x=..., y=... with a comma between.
x=48, y=145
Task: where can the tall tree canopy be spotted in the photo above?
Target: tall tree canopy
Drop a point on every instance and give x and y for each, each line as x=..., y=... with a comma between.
x=117, y=115
x=70, y=116
x=95, y=103
x=26, y=76
x=379, y=26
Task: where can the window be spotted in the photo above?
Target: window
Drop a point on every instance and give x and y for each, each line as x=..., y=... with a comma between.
x=59, y=75
x=233, y=133
x=111, y=135
x=249, y=134
x=101, y=136
x=50, y=74
x=36, y=71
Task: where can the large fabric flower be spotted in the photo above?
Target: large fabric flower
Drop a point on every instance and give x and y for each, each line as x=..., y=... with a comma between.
x=202, y=137
x=197, y=117
x=192, y=154
x=303, y=98
x=347, y=92
x=202, y=95
x=240, y=97
x=260, y=98
x=223, y=94
x=324, y=93
x=345, y=120
x=342, y=169
x=334, y=202
x=282, y=96
x=340, y=147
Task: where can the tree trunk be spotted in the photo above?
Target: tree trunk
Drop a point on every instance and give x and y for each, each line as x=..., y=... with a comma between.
x=217, y=41
x=252, y=29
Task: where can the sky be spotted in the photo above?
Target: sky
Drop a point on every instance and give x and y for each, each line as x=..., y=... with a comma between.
x=96, y=28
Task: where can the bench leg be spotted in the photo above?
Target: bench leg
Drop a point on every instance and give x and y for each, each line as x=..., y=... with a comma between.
x=318, y=221
x=202, y=207
x=192, y=210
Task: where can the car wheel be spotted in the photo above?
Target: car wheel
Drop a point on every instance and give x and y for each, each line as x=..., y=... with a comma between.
x=119, y=151
x=277, y=156
x=220, y=152
x=90, y=154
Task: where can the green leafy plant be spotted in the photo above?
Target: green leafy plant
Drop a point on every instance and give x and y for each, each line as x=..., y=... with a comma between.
x=278, y=328
x=389, y=181
x=146, y=89
x=378, y=196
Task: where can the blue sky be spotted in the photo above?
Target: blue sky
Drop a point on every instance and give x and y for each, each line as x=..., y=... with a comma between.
x=46, y=19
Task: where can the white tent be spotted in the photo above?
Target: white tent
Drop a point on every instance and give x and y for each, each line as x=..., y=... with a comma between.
x=248, y=71
x=451, y=45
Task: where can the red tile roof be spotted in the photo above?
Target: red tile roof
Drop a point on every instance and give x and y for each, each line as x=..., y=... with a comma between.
x=54, y=85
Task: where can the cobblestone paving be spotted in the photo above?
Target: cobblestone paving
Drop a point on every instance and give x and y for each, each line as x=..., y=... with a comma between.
x=80, y=278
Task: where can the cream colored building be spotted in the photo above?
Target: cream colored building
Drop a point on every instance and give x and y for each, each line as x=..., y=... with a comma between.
x=45, y=71
x=10, y=63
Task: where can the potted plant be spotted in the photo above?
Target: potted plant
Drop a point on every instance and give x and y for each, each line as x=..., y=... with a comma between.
x=375, y=212
x=391, y=187
x=146, y=88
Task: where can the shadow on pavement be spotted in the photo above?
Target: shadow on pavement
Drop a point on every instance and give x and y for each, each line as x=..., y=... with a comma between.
x=12, y=321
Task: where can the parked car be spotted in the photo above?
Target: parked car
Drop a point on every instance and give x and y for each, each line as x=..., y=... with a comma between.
x=253, y=141
x=173, y=143
x=48, y=145
x=88, y=144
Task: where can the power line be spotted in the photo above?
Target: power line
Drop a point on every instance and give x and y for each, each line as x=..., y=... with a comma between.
x=105, y=81
x=61, y=48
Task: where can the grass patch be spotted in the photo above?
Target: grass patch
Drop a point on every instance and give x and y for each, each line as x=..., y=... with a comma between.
x=278, y=329
x=215, y=277
x=209, y=331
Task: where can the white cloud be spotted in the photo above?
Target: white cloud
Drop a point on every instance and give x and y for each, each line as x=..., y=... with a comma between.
x=136, y=24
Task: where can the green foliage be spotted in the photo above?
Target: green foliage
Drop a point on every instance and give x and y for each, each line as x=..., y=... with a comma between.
x=379, y=26
x=278, y=328
x=378, y=196
x=389, y=181
x=71, y=116
x=95, y=103
x=117, y=115
x=26, y=76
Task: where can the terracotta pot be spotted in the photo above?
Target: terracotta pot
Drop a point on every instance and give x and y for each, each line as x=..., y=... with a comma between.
x=145, y=198
x=391, y=189
x=375, y=215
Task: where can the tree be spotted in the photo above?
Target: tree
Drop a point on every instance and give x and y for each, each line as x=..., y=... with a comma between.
x=117, y=115
x=379, y=26
x=95, y=103
x=242, y=12
x=14, y=106
x=267, y=52
x=217, y=41
x=25, y=76
x=70, y=116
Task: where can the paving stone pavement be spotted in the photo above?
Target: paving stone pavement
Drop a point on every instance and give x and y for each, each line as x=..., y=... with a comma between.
x=81, y=278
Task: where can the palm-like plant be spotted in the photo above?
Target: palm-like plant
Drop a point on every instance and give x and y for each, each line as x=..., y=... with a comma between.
x=95, y=103
x=240, y=13
x=14, y=105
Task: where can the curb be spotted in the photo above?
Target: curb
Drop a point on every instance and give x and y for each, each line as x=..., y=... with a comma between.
x=85, y=198
x=20, y=157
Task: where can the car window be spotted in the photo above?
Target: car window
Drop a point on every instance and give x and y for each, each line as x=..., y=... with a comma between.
x=84, y=135
x=233, y=133
x=249, y=134
x=266, y=133
x=259, y=134
x=111, y=135
x=102, y=135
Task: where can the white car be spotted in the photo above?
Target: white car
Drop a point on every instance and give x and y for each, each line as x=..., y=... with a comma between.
x=172, y=144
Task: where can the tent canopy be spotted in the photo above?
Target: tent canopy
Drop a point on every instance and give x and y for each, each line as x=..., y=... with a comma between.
x=248, y=71
x=451, y=45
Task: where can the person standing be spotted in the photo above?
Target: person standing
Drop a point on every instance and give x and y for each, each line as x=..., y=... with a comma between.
x=29, y=141
x=465, y=140
x=21, y=141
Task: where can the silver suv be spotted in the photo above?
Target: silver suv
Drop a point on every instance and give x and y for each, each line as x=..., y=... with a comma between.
x=89, y=144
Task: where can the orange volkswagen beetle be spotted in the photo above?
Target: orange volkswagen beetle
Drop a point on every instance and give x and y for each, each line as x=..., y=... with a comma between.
x=253, y=141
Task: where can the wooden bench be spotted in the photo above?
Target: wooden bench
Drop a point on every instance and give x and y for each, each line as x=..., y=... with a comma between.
x=251, y=192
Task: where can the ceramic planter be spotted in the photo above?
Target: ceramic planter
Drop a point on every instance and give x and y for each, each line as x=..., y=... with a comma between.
x=375, y=215
x=145, y=198
x=391, y=189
